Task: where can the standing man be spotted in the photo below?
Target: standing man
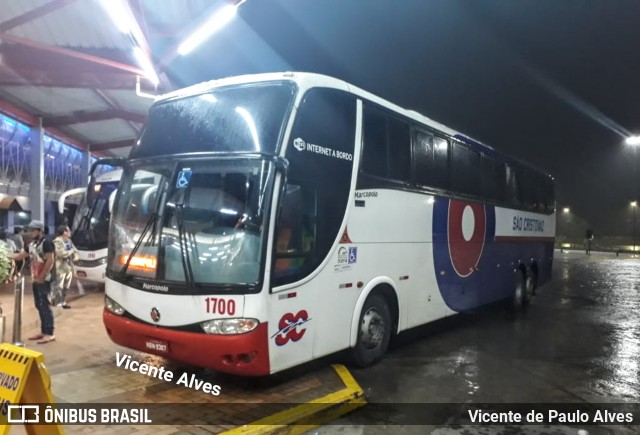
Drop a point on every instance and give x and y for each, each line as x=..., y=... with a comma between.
x=66, y=253
x=42, y=253
x=17, y=239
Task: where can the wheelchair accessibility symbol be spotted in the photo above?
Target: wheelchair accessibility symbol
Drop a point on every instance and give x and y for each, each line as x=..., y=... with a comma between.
x=184, y=177
x=353, y=255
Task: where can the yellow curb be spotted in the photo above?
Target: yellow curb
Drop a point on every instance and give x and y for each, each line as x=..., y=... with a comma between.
x=323, y=410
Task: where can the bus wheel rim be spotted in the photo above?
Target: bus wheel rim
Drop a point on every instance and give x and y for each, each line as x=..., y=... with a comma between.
x=373, y=329
x=519, y=294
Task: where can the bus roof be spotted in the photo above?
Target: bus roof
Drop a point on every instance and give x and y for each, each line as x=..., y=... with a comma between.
x=305, y=80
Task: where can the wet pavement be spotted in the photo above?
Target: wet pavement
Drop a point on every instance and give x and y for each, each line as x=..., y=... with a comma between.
x=578, y=343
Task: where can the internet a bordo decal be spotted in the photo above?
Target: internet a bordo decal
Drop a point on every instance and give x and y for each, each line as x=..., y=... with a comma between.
x=291, y=327
x=463, y=235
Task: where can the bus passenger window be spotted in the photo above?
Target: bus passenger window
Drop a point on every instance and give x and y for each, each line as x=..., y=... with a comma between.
x=374, y=158
x=423, y=154
x=474, y=176
x=512, y=186
x=460, y=169
x=490, y=189
x=399, y=150
x=440, y=163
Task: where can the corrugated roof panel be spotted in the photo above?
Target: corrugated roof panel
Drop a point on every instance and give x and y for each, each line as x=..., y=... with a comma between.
x=13, y=9
x=119, y=152
x=57, y=101
x=128, y=100
x=80, y=24
x=107, y=131
x=175, y=13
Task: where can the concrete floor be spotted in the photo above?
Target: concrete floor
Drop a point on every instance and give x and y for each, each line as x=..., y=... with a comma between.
x=578, y=343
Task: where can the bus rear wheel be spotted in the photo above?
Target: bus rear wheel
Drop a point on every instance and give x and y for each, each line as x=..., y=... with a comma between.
x=522, y=292
x=374, y=332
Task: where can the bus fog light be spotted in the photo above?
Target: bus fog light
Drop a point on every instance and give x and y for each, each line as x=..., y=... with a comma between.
x=229, y=326
x=113, y=306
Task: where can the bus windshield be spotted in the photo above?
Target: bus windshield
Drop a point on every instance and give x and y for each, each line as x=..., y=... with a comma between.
x=91, y=223
x=198, y=222
x=239, y=118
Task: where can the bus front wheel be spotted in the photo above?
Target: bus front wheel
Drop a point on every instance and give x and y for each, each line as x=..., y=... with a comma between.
x=374, y=332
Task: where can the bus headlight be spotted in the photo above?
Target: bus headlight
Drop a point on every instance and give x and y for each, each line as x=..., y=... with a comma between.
x=113, y=306
x=229, y=326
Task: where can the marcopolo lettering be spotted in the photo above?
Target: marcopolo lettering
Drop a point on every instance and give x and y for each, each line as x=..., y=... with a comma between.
x=9, y=382
x=372, y=194
x=156, y=287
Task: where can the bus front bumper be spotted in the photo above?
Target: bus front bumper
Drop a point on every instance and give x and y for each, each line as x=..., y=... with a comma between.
x=93, y=274
x=243, y=354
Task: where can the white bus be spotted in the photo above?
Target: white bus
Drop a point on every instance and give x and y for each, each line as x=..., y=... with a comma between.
x=294, y=215
x=89, y=230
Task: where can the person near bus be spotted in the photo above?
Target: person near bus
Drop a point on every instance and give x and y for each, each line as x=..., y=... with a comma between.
x=18, y=241
x=8, y=262
x=42, y=253
x=66, y=254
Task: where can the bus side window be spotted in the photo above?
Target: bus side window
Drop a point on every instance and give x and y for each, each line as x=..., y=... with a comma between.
x=374, y=157
x=474, y=176
x=489, y=179
x=512, y=186
x=399, y=150
x=440, y=163
x=550, y=202
x=423, y=152
x=295, y=231
x=460, y=169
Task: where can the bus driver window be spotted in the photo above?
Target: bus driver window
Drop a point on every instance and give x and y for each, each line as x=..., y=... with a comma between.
x=294, y=238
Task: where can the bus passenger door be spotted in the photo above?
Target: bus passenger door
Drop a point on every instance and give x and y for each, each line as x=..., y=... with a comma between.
x=292, y=304
x=312, y=207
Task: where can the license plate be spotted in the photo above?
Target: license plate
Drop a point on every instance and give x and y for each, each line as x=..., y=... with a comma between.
x=155, y=345
x=81, y=274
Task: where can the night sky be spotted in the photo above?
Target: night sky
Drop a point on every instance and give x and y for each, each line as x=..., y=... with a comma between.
x=553, y=83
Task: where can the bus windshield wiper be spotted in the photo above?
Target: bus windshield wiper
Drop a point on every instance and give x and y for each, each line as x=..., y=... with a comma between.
x=150, y=223
x=184, y=250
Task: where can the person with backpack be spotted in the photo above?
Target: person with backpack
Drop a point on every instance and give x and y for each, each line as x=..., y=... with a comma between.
x=66, y=254
x=42, y=253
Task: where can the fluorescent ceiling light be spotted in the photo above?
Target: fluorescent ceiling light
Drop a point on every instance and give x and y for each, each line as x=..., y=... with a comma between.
x=217, y=20
x=146, y=65
x=633, y=140
x=120, y=15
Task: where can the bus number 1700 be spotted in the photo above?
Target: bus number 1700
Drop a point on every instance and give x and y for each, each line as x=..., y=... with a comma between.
x=220, y=306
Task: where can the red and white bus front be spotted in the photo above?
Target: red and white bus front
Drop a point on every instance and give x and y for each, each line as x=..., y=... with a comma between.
x=188, y=237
